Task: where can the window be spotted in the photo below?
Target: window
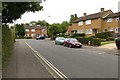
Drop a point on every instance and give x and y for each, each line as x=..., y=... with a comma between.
x=27, y=35
x=88, y=21
x=109, y=19
x=88, y=31
x=79, y=31
x=117, y=19
x=32, y=35
x=80, y=23
x=32, y=30
x=111, y=29
x=117, y=30
x=27, y=30
x=105, y=30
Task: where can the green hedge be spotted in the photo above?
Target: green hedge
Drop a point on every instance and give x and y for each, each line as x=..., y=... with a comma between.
x=103, y=35
x=96, y=41
x=78, y=35
x=8, y=38
x=118, y=43
x=110, y=39
x=85, y=40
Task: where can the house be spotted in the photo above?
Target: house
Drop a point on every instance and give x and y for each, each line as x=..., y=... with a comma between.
x=94, y=23
x=34, y=31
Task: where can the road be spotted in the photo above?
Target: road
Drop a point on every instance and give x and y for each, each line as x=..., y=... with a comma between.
x=87, y=62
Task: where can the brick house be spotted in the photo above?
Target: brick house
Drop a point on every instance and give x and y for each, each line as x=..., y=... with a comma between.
x=94, y=23
x=34, y=31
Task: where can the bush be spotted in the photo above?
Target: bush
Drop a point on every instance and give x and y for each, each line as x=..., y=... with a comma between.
x=21, y=37
x=8, y=39
x=85, y=40
x=103, y=35
x=110, y=39
x=96, y=41
x=118, y=43
x=28, y=37
x=78, y=35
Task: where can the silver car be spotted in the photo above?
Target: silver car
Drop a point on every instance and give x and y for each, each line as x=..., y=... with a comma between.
x=59, y=40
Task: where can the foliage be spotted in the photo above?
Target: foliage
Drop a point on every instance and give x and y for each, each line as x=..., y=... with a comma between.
x=58, y=29
x=42, y=23
x=110, y=39
x=118, y=43
x=20, y=30
x=96, y=41
x=73, y=17
x=7, y=42
x=103, y=35
x=84, y=40
x=13, y=10
x=78, y=35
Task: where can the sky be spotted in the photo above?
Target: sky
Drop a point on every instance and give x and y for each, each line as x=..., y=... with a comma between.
x=57, y=11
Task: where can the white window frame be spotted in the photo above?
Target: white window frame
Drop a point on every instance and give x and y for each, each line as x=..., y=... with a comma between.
x=79, y=31
x=28, y=35
x=32, y=30
x=88, y=22
x=88, y=31
x=117, y=18
x=32, y=35
x=111, y=29
x=80, y=23
x=117, y=29
x=110, y=20
x=27, y=30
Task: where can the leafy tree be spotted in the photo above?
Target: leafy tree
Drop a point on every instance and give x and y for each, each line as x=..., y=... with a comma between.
x=20, y=30
x=73, y=17
x=42, y=23
x=13, y=10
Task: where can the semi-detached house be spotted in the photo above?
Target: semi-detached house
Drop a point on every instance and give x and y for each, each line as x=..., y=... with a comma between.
x=34, y=31
x=95, y=23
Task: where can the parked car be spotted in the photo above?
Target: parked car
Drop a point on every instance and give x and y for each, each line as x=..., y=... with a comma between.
x=40, y=37
x=59, y=40
x=72, y=42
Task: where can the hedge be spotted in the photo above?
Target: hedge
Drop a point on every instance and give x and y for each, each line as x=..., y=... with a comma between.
x=118, y=43
x=96, y=41
x=8, y=38
x=78, y=35
x=85, y=40
x=103, y=35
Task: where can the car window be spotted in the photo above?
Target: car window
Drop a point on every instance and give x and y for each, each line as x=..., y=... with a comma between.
x=73, y=40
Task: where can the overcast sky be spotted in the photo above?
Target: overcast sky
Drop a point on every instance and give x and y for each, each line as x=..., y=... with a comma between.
x=60, y=10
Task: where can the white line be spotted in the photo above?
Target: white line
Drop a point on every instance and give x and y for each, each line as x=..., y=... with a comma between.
x=59, y=73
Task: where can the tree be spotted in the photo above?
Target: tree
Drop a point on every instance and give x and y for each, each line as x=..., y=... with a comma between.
x=13, y=10
x=73, y=17
x=20, y=30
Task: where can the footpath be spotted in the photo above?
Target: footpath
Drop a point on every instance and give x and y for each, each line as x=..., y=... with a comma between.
x=23, y=64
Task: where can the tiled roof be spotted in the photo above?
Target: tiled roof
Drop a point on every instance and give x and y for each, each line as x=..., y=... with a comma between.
x=35, y=27
x=91, y=16
x=113, y=15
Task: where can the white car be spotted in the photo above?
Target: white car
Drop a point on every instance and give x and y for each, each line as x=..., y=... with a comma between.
x=59, y=40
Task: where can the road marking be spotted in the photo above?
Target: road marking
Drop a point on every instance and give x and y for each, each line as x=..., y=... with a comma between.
x=59, y=73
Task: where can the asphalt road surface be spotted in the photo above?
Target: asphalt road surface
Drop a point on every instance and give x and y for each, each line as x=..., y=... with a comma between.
x=85, y=62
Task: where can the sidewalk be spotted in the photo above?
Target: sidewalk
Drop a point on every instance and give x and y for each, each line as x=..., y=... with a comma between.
x=23, y=64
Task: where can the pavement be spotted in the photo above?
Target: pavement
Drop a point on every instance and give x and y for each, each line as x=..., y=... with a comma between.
x=23, y=64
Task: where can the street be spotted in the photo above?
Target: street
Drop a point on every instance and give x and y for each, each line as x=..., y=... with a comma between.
x=86, y=62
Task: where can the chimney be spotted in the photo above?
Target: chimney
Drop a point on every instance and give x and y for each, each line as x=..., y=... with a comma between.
x=102, y=9
x=85, y=14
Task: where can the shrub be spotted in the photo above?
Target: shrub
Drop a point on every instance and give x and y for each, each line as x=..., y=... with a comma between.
x=103, y=40
x=28, y=37
x=118, y=43
x=78, y=35
x=103, y=35
x=110, y=39
x=96, y=41
x=85, y=40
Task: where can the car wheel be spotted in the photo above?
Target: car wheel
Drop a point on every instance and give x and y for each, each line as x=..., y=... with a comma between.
x=70, y=46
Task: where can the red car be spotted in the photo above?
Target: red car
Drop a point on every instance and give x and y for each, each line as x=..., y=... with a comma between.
x=72, y=42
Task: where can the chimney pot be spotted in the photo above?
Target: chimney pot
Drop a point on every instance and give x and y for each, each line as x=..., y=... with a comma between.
x=85, y=14
x=102, y=9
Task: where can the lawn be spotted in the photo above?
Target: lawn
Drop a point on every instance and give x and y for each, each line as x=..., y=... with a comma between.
x=107, y=42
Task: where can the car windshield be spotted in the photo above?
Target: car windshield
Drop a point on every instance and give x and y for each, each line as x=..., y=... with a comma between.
x=73, y=40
